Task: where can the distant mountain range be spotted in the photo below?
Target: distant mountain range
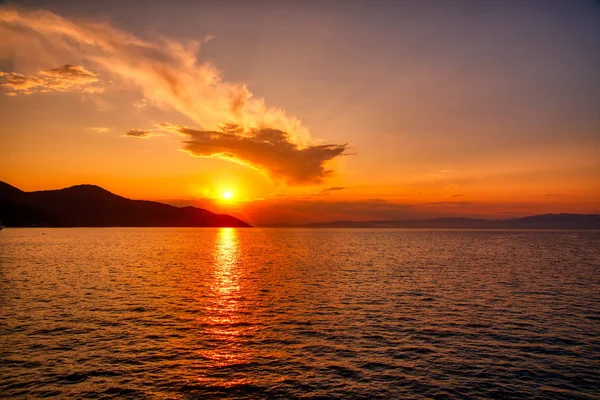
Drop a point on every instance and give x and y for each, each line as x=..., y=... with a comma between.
x=92, y=206
x=546, y=221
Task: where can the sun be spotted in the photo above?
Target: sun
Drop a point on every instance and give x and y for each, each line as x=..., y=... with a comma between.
x=227, y=195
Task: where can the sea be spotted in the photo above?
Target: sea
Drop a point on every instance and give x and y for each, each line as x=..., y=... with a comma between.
x=203, y=313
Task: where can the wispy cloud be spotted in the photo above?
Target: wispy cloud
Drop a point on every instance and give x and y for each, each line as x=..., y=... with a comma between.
x=139, y=133
x=62, y=79
x=332, y=189
x=140, y=105
x=167, y=71
x=99, y=129
x=170, y=75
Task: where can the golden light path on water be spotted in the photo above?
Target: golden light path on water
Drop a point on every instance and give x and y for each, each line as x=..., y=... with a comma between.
x=223, y=320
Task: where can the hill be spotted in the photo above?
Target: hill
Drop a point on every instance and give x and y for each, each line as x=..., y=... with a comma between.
x=93, y=206
x=546, y=221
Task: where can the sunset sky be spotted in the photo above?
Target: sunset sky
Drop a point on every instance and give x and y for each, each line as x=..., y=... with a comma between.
x=310, y=110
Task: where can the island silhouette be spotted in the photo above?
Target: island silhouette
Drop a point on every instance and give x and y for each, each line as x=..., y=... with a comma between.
x=93, y=206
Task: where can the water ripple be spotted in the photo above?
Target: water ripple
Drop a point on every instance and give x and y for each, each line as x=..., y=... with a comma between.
x=286, y=313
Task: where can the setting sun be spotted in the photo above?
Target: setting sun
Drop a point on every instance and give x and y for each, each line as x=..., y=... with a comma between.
x=227, y=195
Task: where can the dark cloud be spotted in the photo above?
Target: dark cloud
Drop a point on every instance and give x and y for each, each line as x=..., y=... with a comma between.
x=268, y=150
x=458, y=195
x=448, y=203
x=331, y=189
x=73, y=71
x=138, y=133
x=552, y=195
x=62, y=79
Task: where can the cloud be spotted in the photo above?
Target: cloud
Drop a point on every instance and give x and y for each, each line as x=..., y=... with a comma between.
x=62, y=79
x=99, y=129
x=268, y=150
x=167, y=71
x=332, y=189
x=140, y=105
x=14, y=83
x=139, y=133
x=233, y=123
x=552, y=195
x=447, y=204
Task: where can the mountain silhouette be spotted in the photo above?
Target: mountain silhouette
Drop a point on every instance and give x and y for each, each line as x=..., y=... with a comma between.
x=545, y=221
x=93, y=206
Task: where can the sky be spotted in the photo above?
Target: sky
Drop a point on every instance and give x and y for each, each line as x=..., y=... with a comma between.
x=308, y=111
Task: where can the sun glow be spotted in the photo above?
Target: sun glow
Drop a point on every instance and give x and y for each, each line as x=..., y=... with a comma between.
x=227, y=195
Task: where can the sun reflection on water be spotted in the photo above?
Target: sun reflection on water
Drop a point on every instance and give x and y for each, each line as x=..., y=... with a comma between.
x=226, y=259
x=223, y=316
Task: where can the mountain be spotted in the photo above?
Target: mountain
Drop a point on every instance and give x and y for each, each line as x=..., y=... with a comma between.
x=546, y=221
x=89, y=205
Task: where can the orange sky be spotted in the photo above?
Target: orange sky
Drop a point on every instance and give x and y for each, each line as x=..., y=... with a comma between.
x=308, y=112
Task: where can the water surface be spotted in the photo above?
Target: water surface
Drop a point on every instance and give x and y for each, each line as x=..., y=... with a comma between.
x=297, y=313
